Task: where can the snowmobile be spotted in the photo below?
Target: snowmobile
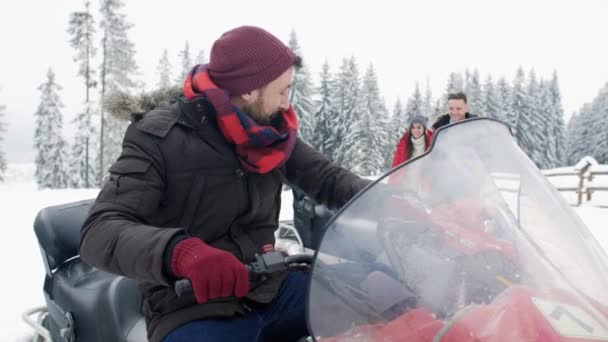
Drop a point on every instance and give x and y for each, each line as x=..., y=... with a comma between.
x=468, y=242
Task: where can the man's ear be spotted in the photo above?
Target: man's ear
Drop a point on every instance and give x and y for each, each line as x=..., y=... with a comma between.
x=249, y=97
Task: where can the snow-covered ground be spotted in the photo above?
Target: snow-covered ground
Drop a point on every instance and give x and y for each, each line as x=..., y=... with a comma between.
x=21, y=285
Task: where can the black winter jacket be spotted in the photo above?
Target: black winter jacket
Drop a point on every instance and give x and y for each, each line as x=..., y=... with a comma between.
x=177, y=177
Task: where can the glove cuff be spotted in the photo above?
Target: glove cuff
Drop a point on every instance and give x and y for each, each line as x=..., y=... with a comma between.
x=184, y=253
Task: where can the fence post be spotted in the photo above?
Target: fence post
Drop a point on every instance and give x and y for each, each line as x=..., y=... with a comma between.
x=581, y=181
x=582, y=166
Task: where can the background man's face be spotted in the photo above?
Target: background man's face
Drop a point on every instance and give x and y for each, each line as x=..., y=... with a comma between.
x=457, y=109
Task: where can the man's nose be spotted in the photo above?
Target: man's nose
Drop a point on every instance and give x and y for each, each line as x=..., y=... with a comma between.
x=284, y=104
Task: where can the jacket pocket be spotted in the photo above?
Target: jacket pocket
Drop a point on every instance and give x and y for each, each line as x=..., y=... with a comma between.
x=130, y=183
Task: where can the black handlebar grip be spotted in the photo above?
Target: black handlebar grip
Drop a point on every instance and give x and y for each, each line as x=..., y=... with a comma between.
x=184, y=286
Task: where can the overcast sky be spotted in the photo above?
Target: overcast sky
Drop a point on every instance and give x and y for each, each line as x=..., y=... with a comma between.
x=406, y=41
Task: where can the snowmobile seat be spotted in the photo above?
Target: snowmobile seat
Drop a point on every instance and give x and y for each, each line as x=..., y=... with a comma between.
x=83, y=303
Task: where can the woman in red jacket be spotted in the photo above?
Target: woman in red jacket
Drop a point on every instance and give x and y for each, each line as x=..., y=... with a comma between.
x=415, y=141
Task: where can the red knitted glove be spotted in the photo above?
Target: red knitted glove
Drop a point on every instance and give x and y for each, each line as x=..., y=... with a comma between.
x=214, y=273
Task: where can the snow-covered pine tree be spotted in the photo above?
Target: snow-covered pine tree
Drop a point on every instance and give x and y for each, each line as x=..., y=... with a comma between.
x=82, y=171
x=493, y=100
x=82, y=38
x=506, y=111
x=519, y=101
x=301, y=92
x=558, y=119
x=185, y=64
x=118, y=69
x=2, y=156
x=547, y=148
x=599, y=147
x=415, y=105
x=572, y=129
x=164, y=71
x=370, y=137
x=323, y=138
x=398, y=121
x=436, y=112
x=580, y=135
x=531, y=124
x=455, y=84
x=428, y=100
x=50, y=147
x=396, y=128
x=201, y=58
x=345, y=103
x=474, y=96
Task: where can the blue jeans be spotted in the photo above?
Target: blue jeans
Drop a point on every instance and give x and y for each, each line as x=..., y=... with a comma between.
x=284, y=319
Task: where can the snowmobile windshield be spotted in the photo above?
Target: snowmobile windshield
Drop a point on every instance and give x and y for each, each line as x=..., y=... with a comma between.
x=458, y=227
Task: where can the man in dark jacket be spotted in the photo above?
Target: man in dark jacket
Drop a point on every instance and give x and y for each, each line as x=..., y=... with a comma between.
x=196, y=194
x=457, y=111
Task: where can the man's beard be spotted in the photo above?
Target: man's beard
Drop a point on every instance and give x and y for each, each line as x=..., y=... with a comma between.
x=273, y=119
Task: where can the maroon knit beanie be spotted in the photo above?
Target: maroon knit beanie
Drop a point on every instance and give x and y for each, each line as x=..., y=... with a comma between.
x=247, y=58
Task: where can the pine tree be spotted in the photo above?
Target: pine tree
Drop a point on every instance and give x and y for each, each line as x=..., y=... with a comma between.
x=396, y=129
x=455, y=84
x=547, y=148
x=164, y=71
x=572, y=135
x=83, y=173
x=519, y=101
x=201, y=58
x=559, y=130
x=82, y=30
x=474, y=96
x=323, y=138
x=300, y=94
x=599, y=117
x=436, y=112
x=398, y=120
x=415, y=105
x=530, y=126
x=493, y=102
x=370, y=135
x=185, y=63
x=428, y=100
x=506, y=94
x=118, y=69
x=581, y=131
x=48, y=139
x=2, y=156
x=345, y=104
x=573, y=138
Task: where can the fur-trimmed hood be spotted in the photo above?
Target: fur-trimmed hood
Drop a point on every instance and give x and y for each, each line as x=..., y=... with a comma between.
x=123, y=105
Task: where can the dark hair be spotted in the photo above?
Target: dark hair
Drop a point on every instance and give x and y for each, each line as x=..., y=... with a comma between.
x=458, y=96
x=410, y=144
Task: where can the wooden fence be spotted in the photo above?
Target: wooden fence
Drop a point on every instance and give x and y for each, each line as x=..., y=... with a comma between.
x=591, y=179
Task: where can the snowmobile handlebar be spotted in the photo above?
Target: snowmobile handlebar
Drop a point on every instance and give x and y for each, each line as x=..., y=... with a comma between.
x=263, y=266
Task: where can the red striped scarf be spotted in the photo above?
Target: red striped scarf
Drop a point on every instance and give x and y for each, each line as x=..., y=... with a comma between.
x=259, y=148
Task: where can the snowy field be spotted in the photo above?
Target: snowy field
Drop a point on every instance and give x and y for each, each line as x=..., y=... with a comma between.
x=21, y=285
